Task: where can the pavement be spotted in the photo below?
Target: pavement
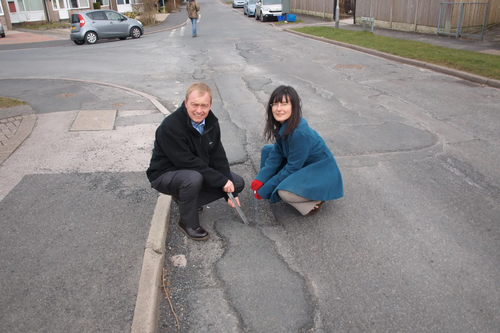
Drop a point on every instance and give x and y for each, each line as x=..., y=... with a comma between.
x=18, y=123
x=71, y=282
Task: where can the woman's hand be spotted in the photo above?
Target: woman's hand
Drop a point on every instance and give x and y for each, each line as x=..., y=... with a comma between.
x=256, y=184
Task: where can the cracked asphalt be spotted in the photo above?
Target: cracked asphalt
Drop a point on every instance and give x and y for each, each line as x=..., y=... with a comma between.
x=412, y=247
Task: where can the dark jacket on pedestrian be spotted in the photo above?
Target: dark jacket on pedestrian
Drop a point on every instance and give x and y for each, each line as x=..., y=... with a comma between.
x=193, y=8
x=179, y=146
x=300, y=163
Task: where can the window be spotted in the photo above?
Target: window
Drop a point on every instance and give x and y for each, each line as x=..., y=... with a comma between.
x=1, y=8
x=103, y=2
x=20, y=4
x=97, y=16
x=114, y=16
x=31, y=5
x=58, y=4
x=79, y=4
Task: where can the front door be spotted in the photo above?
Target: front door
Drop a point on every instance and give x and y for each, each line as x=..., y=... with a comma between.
x=14, y=12
x=60, y=6
x=124, y=6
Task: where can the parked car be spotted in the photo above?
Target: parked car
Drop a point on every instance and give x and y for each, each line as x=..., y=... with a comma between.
x=249, y=7
x=267, y=9
x=2, y=30
x=238, y=3
x=89, y=26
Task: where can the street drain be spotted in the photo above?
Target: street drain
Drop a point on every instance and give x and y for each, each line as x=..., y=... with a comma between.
x=343, y=66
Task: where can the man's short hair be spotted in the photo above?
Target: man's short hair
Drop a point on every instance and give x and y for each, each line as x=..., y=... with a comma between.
x=201, y=87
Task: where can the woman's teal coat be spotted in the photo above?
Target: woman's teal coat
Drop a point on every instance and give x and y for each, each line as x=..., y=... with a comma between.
x=301, y=164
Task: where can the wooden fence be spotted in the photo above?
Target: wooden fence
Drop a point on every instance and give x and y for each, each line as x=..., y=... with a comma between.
x=417, y=15
x=412, y=15
x=322, y=8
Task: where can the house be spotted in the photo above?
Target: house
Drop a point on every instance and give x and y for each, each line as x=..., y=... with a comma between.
x=14, y=12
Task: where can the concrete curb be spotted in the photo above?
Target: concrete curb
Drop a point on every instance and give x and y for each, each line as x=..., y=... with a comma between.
x=149, y=293
x=445, y=70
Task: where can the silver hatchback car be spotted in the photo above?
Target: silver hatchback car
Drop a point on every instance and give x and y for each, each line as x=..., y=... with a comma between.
x=89, y=26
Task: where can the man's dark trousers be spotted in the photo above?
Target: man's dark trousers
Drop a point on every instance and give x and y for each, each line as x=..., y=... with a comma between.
x=188, y=187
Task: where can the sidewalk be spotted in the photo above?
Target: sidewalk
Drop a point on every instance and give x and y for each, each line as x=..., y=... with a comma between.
x=69, y=262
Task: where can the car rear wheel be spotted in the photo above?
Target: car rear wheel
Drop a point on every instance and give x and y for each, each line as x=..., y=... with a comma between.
x=79, y=42
x=135, y=32
x=91, y=37
x=3, y=35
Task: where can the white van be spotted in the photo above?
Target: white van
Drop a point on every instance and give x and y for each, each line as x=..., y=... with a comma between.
x=265, y=9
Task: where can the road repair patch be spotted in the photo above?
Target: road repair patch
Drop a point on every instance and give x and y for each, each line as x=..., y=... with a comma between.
x=94, y=120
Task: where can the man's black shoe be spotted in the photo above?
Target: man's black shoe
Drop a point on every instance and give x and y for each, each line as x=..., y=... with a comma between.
x=197, y=234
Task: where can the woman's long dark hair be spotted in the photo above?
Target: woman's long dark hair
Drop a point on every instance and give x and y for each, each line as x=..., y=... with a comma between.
x=272, y=125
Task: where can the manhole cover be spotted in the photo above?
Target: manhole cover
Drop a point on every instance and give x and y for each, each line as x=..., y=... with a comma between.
x=343, y=66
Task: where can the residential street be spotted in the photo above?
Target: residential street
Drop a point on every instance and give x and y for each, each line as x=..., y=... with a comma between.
x=412, y=247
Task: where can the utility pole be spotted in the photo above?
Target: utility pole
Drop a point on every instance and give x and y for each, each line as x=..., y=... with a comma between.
x=337, y=14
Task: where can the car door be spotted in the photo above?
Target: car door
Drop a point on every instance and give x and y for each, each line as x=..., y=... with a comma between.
x=118, y=26
x=100, y=23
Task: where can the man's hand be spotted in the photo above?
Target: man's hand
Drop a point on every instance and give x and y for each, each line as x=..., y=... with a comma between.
x=229, y=187
x=231, y=204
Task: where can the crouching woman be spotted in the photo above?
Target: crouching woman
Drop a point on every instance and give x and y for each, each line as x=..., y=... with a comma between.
x=298, y=168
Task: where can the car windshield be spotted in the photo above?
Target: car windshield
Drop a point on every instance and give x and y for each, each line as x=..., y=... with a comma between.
x=252, y=2
x=271, y=2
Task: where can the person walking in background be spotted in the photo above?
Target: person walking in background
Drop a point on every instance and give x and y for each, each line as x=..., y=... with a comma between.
x=299, y=168
x=189, y=162
x=193, y=8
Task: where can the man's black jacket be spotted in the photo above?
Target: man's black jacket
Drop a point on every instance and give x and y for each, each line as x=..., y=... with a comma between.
x=179, y=146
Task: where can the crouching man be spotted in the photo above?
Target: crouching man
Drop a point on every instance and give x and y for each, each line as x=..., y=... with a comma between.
x=189, y=162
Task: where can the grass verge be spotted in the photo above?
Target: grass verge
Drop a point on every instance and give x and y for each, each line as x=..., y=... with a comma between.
x=6, y=102
x=482, y=64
